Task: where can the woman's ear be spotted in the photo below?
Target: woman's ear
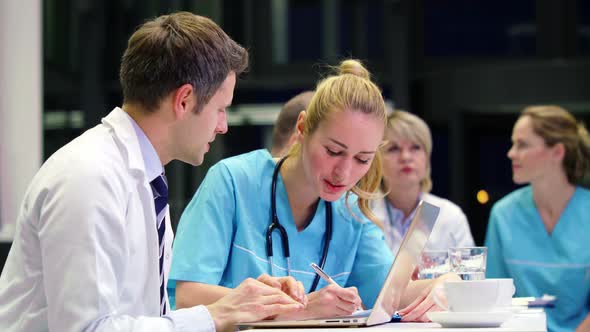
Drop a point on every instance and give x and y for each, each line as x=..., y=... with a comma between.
x=300, y=126
x=184, y=100
x=558, y=151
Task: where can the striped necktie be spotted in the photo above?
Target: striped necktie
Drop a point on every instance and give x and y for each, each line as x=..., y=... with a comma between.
x=160, y=190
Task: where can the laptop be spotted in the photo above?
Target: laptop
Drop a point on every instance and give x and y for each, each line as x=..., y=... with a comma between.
x=392, y=289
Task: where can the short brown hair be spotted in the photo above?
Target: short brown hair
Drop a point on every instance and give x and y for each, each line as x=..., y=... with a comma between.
x=556, y=125
x=176, y=49
x=287, y=119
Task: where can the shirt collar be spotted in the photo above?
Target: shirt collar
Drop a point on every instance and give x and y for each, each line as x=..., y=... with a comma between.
x=396, y=216
x=153, y=165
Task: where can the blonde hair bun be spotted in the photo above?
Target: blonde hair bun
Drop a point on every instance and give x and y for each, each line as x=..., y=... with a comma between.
x=582, y=131
x=354, y=67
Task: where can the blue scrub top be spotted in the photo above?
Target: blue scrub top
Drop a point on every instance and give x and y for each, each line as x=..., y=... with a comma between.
x=222, y=234
x=519, y=247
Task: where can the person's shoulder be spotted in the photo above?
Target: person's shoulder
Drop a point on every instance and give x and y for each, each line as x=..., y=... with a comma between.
x=583, y=192
x=518, y=202
x=250, y=164
x=252, y=159
x=580, y=199
x=89, y=162
x=515, y=198
x=443, y=203
x=92, y=152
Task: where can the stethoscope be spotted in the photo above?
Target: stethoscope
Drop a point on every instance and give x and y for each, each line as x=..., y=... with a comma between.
x=275, y=224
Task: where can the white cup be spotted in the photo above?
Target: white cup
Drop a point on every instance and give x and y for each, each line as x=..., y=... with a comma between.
x=475, y=295
x=506, y=290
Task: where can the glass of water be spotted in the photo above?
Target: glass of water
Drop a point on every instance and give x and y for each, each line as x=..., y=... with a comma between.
x=433, y=263
x=468, y=262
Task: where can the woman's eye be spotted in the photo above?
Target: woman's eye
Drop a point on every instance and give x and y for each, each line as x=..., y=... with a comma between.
x=393, y=148
x=416, y=147
x=363, y=161
x=333, y=153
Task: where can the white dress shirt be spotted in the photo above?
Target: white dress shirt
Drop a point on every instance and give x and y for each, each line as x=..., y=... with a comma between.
x=85, y=252
x=451, y=228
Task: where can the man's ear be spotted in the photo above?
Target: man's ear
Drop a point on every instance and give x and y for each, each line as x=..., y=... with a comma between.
x=300, y=127
x=183, y=100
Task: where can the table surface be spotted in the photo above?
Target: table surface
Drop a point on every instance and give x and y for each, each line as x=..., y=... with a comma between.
x=532, y=320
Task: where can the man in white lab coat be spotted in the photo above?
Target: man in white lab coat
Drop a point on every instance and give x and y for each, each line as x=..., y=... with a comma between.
x=92, y=247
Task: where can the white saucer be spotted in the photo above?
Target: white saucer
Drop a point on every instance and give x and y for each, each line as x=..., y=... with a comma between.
x=469, y=319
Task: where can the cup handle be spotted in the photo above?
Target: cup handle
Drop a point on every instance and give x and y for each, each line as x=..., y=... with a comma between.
x=511, y=292
x=437, y=299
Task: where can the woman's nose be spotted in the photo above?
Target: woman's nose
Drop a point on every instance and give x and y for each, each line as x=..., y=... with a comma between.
x=510, y=153
x=406, y=154
x=342, y=170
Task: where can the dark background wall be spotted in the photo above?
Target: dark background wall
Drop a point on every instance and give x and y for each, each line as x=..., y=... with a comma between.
x=467, y=67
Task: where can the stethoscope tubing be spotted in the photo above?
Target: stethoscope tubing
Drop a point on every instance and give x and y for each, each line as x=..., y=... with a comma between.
x=276, y=225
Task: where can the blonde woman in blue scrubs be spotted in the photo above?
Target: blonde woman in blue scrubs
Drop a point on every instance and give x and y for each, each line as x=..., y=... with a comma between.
x=539, y=234
x=334, y=167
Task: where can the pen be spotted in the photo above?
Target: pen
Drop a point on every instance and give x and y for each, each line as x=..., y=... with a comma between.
x=323, y=274
x=326, y=277
x=546, y=301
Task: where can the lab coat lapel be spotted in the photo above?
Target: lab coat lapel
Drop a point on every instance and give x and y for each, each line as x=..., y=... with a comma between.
x=124, y=135
x=126, y=138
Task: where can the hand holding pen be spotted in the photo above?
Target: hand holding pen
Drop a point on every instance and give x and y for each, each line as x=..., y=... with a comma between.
x=331, y=281
x=396, y=317
x=330, y=301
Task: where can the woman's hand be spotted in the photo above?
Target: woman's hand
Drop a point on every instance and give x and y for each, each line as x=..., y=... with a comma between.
x=288, y=285
x=329, y=301
x=416, y=311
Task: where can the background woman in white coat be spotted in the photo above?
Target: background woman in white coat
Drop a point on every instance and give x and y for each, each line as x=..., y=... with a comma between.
x=406, y=180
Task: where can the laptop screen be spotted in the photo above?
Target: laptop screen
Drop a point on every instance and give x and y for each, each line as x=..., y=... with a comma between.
x=404, y=264
x=395, y=284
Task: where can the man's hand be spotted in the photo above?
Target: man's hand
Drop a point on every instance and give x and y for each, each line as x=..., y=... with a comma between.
x=288, y=285
x=251, y=301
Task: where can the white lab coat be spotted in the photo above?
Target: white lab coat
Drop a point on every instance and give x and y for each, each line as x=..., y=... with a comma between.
x=451, y=228
x=85, y=253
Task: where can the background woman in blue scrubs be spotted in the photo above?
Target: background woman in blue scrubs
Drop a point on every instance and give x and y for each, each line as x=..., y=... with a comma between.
x=539, y=234
x=222, y=233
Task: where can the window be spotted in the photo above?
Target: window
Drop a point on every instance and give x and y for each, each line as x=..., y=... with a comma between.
x=479, y=28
